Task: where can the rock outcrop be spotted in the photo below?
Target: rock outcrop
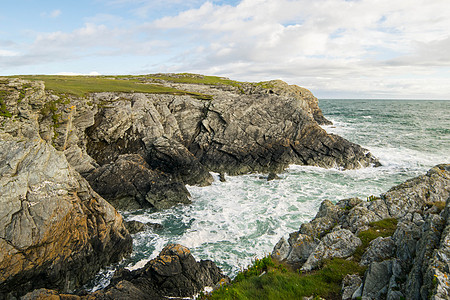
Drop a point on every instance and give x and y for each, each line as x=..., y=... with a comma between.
x=55, y=230
x=152, y=145
x=412, y=263
x=62, y=155
x=174, y=274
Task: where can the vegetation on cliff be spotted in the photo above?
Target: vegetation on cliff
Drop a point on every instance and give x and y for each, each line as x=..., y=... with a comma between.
x=268, y=279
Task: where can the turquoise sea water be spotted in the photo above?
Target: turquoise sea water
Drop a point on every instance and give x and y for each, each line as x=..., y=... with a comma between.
x=236, y=221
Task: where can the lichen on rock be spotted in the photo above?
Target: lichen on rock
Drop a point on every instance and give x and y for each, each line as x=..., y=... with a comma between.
x=410, y=263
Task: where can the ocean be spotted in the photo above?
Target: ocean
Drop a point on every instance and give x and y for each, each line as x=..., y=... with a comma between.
x=234, y=222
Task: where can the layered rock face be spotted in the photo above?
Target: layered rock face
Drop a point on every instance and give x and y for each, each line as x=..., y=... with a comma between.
x=55, y=231
x=413, y=263
x=135, y=150
x=140, y=150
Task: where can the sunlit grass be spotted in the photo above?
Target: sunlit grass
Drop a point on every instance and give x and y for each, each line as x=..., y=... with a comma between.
x=84, y=85
x=266, y=280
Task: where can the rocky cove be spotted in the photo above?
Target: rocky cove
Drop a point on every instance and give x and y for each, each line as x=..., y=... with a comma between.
x=62, y=154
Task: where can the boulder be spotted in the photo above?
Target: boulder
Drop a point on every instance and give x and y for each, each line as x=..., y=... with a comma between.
x=296, y=251
x=136, y=226
x=376, y=280
x=173, y=274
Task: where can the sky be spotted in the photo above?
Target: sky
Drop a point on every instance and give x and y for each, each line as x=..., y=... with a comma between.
x=388, y=49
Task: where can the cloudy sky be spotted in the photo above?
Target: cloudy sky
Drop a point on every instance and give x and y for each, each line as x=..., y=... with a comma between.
x=335, y=48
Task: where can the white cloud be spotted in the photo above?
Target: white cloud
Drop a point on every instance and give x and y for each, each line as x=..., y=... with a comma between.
x=8, y=53
x=376, y=47
x=53, y=14
x=324, y=40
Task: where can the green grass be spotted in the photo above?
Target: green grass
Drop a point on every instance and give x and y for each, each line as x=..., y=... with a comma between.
x=84, y=85
x=382, y=228
x=194, y=78
x=4, y=112
x=265, y=280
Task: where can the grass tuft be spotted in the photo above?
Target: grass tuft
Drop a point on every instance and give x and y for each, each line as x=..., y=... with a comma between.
x=382, y=228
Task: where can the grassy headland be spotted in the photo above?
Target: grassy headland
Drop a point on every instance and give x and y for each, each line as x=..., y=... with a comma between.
x=84, y=85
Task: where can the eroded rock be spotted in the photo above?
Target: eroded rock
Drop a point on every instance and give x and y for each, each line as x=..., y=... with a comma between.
x=174, y=273
x=51, y=222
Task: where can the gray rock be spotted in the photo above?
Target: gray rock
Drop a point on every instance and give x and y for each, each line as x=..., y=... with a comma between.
x=341, y=243
x=130, y=183
x=415, y=193
x=411, y=264
x=281, y=250
x=376, y=280
x=51, y=222
x=436, y=277
x=296, y=251
x=416, y=287
x=379, y=249
x=246, y=129
x=349, y=286
x=326, y=218
x=174, y=273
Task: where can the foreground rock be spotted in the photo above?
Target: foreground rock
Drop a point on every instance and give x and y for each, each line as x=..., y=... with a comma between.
x=173, y=274
x=413, y=263
x=55, y=231
x=140, y=150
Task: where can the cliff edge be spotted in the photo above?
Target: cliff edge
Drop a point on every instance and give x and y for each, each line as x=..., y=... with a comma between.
x=140, y=148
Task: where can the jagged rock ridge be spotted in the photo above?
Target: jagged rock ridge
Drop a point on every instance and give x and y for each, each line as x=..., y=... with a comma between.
x=413, y=263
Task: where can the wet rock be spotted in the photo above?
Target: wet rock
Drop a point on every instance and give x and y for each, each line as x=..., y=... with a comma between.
x=272, y=176
x=222, y=177
x=174, y=273
x=136, y=226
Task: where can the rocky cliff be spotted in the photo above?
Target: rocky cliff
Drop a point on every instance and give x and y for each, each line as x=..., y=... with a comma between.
x=55, y=231
x=63, y=153
x=140, y=149
x=402, y=237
